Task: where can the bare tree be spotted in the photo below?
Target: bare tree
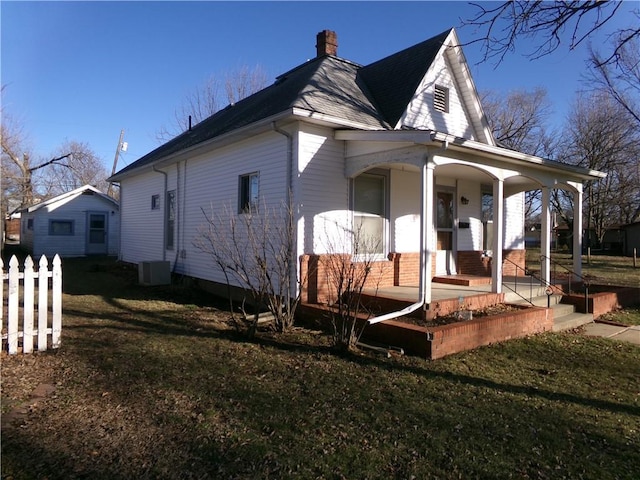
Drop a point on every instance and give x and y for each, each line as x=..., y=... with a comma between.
x=519, y=121
x=80, y=167
x=214, y=94
x=620, y=77
x=255, y=249
x=15, y=166
x=600, y=136
x=549, y=24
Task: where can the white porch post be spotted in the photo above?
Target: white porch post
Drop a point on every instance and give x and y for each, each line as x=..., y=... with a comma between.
x=545, y=235
x=498, y=228
x=577, y=230
x=426, y=231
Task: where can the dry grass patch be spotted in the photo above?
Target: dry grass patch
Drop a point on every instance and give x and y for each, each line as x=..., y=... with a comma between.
x=152, y=383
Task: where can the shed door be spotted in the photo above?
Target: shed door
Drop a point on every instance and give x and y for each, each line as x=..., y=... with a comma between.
x=97, y=233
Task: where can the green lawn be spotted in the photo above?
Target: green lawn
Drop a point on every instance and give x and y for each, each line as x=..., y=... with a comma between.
x=152, y=383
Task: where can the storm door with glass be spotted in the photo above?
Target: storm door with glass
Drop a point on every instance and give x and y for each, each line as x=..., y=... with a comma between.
x=445, y=238
x=97, y=233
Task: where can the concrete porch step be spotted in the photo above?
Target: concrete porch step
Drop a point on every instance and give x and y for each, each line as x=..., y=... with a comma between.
x=564, y=315
x=465, y=280
x=571, y=321
x=536, y=293
x=541, y=301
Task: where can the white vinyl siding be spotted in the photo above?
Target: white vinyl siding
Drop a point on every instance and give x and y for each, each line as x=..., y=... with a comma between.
x=469, y=238
x=514, y=222
x=323, y=193
x=142, y=230
x=472, y=238
x=208, y=184
x=405, y=211
x=422, y=114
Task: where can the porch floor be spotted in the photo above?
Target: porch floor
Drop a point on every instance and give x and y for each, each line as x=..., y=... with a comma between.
x=525, y=286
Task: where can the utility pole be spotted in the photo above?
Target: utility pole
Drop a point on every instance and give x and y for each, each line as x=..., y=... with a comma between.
x=121, y=146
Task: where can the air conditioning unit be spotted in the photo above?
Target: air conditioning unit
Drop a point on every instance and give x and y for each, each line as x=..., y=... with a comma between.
x=154, y=273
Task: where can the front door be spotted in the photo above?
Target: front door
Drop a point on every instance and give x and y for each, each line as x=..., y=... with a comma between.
x=445, y=239
x=97, y=233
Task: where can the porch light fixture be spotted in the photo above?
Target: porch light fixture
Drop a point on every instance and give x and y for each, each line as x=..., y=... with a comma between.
x=464, y=200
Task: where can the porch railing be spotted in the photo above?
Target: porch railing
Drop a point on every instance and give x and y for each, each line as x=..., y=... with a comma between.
x=549, y=287
x=554, y=275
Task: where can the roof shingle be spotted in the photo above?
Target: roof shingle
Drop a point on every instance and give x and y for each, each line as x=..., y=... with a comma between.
x=374, y=96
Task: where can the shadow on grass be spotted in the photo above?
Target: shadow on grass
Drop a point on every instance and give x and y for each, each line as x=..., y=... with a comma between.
x=96, y=275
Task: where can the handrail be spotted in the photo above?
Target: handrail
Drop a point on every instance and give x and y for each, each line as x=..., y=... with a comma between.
x=528, y=273
x=585, y=281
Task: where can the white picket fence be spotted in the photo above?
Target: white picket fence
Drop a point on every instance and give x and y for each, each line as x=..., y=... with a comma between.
x=26, y=309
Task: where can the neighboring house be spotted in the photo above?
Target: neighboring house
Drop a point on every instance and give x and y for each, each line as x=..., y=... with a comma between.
x=632, y=239
x=12, y=227
x=81, y=222
x=400, y=148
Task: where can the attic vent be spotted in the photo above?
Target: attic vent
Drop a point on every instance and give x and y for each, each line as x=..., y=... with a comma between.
x=441, y=98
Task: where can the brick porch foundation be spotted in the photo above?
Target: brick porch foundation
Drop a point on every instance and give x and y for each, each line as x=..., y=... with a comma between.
x=398, y=269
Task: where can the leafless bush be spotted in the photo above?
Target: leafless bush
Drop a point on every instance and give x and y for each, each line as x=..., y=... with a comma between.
x=255, y=250
x=348, y=274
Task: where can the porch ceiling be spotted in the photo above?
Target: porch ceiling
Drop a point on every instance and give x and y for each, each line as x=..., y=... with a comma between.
x=462, y=172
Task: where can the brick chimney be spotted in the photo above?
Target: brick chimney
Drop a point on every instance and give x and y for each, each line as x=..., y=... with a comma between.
x=327, y=43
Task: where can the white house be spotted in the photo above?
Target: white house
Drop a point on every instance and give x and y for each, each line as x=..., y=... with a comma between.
x=81, y=222
x=400, y=147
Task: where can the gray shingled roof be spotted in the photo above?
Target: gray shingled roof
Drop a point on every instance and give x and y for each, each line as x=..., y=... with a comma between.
x=374, y=96
x=394, y=80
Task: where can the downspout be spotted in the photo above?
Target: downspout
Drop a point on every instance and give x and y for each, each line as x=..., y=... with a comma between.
x=164, y=229
x=424, y=276
x=293, y=262
x=178, y=229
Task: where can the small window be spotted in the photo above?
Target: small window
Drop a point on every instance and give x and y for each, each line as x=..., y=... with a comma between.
x=170, y=219
x=30, y=224
x=60, y=227
x=155, y=202
x=441, y=98
x=248, y=192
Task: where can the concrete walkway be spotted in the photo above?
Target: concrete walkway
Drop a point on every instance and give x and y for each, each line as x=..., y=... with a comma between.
x=615, y=332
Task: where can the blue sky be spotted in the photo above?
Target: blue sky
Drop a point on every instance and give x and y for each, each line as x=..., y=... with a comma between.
x=85, y=70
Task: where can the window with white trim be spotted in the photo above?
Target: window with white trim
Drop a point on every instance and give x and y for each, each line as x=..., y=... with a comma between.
x=370, y=214
x=248, y=192
x=170, y=219
x=155, y=202
x=60, y=227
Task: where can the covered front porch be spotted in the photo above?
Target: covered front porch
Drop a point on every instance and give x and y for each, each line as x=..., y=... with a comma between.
x=456, y=230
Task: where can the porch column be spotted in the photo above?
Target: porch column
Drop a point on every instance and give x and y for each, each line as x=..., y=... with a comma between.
x=577, y=230
x=426, y=231
x=498, y=228
x=545, y=235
